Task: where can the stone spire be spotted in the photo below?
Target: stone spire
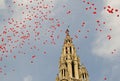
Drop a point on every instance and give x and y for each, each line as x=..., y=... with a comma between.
x=70, y=68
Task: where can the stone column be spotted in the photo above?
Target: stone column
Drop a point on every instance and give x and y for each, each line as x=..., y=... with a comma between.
x=69, y=68
x=73, y=51
x=68, y=48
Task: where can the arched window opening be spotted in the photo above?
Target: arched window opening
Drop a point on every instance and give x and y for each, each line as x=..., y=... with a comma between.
x=66, y=64
x=73, y=71
x=83, y=76
x=66, y=50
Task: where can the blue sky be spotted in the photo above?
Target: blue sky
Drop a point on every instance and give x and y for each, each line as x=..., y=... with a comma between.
x=32, y=33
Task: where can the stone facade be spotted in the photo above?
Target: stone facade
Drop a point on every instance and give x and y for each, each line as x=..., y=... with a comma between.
x=70, y=68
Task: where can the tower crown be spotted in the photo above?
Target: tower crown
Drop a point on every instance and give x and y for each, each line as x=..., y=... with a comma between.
x=68, y=39
x=68, y=47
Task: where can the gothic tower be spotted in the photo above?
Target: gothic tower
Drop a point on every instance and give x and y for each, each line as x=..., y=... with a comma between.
x=70, y=68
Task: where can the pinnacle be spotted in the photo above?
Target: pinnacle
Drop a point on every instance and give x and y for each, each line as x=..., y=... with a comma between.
x=67, y=32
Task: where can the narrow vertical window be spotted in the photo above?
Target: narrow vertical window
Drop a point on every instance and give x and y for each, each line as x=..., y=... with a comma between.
x=73, y=71
x=62, y=72
x=83, y=76
x=66, y=51
x=66, y=64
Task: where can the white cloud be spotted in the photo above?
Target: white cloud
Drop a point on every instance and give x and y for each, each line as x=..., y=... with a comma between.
x=115, y=73
x=28, y=78
x=111, y=72
x=2, y=4
x=102, y=46
x=32, y=2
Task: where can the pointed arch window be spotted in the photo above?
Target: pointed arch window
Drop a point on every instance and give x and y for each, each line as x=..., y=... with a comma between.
x=83, y=76
x=73, y=71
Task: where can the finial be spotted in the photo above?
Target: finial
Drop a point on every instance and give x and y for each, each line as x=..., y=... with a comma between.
x=67, y=32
